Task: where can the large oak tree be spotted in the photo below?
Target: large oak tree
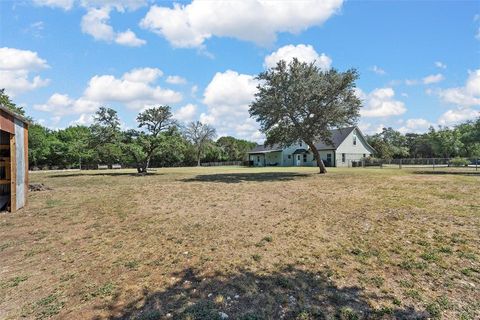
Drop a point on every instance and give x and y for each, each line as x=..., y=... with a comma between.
x=300, y=102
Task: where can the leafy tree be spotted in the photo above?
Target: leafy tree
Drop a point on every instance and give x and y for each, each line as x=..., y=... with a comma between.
x=446, y=142
x=200, y=135
x=234, y=149
x=6, y=102
x=38, y=144
x=301, y=102
x=389, y=144
x=142, y=145
x=106, y=136
x=76, y=139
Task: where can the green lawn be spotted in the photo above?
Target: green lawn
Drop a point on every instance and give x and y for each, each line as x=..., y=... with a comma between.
x=253, y=243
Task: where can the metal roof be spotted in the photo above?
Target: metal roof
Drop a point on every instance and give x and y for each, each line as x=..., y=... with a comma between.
x=337, y=137
x=14, y=114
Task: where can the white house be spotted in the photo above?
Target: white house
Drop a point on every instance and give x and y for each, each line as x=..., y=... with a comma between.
x=349, y=144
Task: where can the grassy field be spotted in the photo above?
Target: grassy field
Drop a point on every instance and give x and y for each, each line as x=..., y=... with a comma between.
x=275, y=243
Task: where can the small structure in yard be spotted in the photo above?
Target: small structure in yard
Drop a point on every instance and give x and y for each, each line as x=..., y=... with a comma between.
x=347, y=145
x=13, y=160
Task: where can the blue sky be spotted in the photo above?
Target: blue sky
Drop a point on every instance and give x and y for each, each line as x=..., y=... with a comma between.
x=419, y=61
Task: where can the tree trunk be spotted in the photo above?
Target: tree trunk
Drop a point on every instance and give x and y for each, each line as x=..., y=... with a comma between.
x=199, y=155
x=198, y=162
x=316, y=154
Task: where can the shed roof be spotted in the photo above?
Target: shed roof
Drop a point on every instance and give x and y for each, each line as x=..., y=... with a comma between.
x=337, y=137
x=14, y=114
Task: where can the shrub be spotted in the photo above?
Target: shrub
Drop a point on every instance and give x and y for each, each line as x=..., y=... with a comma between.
x=458, y=162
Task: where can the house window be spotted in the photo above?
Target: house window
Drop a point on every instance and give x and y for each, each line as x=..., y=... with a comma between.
x=343, y=157
x=289, y=156
x=354, y=140
x=304, y=157
x=364, y=155
x=329, y=158
x=258, y=158
x=300, y=143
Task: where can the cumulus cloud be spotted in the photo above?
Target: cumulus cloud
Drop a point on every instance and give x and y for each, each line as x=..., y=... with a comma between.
x=433, y=78
x=62, y=4
x=16, y=66
x=227, y=98
x=458, y=115
x=466, y=99
x=96, y=23
x=415, y=126
x=191, y=24
x=381, y=102
x=304, y=53
x=466, y=96
x=176, y=80
x=186, y=113
x=134, y=89
x=129, y=38
x=378, y=70
x=440, y=65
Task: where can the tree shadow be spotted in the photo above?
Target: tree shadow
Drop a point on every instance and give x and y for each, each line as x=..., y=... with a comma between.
x=443, y=172
x=100, y=174
x=287, y=294
x=247, y=177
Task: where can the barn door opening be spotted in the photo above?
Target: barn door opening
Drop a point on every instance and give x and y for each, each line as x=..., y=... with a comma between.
x=5, y=171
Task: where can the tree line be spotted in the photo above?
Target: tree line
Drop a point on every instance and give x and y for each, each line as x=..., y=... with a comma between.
x=462, y=140
x=159, y=141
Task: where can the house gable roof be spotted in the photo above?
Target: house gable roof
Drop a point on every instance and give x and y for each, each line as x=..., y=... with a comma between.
x=337, y=137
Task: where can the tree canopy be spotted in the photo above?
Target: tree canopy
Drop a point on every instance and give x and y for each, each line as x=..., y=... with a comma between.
x=300, y=102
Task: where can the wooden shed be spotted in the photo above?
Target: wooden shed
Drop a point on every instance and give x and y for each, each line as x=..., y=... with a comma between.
x=13, y=160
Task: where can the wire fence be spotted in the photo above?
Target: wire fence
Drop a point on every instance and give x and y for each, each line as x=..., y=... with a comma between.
x=418, y=163
x=222, y=163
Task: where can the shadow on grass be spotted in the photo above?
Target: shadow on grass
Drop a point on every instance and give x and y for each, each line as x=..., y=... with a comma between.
x=288, y=294
x=444, y=172
x=247, y=177
x=100, y=174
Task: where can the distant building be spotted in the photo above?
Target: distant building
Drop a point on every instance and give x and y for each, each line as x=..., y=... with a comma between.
x=349, y=144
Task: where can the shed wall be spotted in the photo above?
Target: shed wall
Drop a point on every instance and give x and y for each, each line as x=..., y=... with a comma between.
x=20, y=163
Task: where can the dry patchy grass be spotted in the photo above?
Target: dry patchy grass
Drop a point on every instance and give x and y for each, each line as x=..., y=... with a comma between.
x=191, y=243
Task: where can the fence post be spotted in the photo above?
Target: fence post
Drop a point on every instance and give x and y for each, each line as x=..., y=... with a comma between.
x=476, y=165
x=400, y=164
x=433, y=163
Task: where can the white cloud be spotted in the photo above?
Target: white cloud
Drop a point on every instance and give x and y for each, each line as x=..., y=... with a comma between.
x=458, y=115
x=378, y=70
x=186, y=113
x=433, y=78
x=227, y=98
x=17, y=59
x=135, y=89
x=440, y=65
x=61, y=104
x=381, y=102
x=466, y=96
x=176, y=80
x=411, y=82
x=415, y=126
x=304, y=53
x=96, y=23
x=84, y=119
x=128, y=38
x=63, y=4
x=191, y=24
x=119, y=5
x=15, y=68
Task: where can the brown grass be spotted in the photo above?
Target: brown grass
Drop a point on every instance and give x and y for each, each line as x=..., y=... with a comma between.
x=189, y=243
